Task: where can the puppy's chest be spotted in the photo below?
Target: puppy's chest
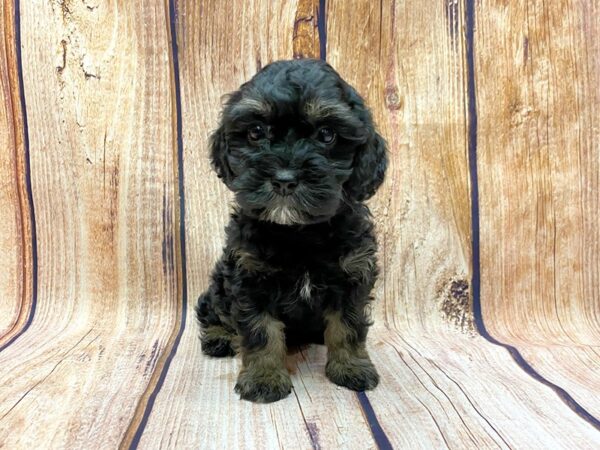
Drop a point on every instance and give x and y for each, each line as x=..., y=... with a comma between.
x=307, y=269
x=303, y=302
x=301, y=272
x=308, y=283
x=306, y=261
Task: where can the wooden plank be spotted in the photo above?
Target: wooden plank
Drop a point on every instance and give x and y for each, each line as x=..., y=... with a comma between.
x=538, y=72
x=16, y=277
x=98, y=90
x=221, y=45
x=306, y=41
x=539, y=165
x=407, y=60
x=462, y=392
x=100, y=97
x=197, y=406
x=576, y=369
x=410, y=60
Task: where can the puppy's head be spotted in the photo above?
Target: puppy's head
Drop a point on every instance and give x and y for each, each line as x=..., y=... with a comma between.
x=295, y=142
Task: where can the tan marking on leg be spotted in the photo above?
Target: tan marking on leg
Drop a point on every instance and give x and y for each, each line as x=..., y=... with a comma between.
x=274, y=351
x=338, y=336
x=264, y=377
x=251, y=262
x=217, y=341
x=348, y=363
x=215, y=332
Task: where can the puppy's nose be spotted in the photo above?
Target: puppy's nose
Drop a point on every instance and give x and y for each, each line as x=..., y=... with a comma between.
x=284, y=182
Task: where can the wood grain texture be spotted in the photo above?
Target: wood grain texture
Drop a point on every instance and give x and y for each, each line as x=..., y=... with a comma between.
x=112, y=358
x=462, y=392
x=16, y=240
x=413, y=79
x=538, y=72
x=537, y=75
x=306, y=40
x=574, y=368
x=99, y=100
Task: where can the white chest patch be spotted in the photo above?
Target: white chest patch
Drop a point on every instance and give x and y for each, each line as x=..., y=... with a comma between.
x=305, y=287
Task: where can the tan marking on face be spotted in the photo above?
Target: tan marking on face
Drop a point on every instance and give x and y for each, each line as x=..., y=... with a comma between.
x=317, y=109
x=251, y=105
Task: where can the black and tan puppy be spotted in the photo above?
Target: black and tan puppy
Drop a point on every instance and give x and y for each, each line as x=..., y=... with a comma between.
x=297, y=146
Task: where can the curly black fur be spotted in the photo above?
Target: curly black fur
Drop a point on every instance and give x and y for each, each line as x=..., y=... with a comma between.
x=297, y=268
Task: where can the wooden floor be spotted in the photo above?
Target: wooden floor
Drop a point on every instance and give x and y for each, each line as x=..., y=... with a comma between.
x=488, y=308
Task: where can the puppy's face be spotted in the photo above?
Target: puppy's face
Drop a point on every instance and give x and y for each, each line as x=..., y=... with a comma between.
x=295, y=142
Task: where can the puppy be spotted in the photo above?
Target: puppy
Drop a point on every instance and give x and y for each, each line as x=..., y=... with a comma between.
x=298, y=148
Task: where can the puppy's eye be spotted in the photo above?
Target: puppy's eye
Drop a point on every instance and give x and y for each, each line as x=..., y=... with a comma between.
x=326, y=135
x=256, y=133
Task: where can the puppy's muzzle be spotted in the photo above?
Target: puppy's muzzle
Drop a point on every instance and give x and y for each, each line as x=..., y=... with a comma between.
x=284, y=182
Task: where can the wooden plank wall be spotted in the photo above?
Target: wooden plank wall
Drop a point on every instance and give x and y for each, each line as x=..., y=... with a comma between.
x=538, y=147
x=539, y=169
x=413, y=77
x=16, y=243
x=488, y=308
x=99, y=103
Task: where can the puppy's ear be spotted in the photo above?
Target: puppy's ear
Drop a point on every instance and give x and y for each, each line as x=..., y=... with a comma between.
x=368, y=168
x=370, y=159
x=218, y=155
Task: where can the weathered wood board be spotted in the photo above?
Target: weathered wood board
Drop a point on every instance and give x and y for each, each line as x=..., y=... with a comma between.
x=539, y=186
x=97, y=85
x=120, y=98
x=413, y=78
x=16, y=252
x=539, y=169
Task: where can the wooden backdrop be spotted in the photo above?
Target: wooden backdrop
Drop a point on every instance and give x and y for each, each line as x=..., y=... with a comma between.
x=488, y=310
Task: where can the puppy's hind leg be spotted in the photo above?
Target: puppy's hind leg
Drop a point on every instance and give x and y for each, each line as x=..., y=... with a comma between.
x=216, y=339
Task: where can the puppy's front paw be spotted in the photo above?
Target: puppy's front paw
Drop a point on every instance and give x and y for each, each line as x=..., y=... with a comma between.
x=358, y=374
x=263, y=385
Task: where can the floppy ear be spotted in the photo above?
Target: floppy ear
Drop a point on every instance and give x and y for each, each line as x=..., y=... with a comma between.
x=370, y=159
x=368, y=168
x=218, y=155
